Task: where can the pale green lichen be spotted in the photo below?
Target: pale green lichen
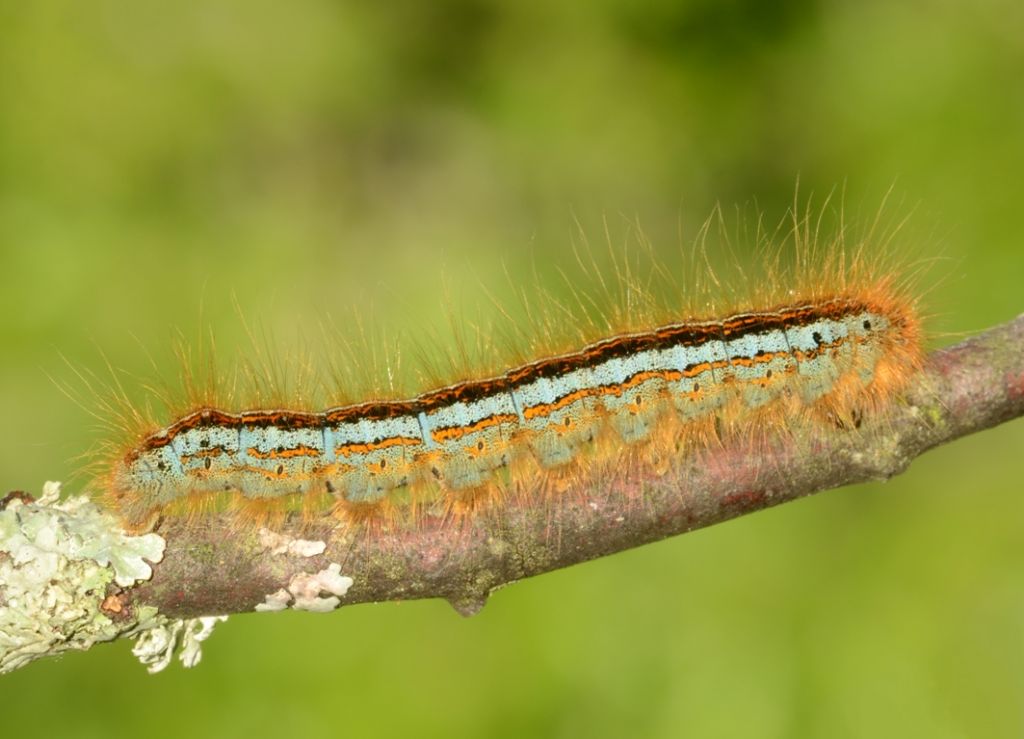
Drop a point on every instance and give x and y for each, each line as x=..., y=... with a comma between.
x=304, y=592
x=281, y=544
x=57, y=560
x=158, y=642
x=276, y=601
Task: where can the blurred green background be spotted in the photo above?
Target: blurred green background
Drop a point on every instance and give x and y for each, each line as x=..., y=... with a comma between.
x=160, y=161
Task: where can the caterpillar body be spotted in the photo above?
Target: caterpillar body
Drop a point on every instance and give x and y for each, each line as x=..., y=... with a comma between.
x=845, y=341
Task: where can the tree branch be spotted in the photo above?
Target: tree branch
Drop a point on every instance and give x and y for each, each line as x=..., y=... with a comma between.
x=210, y=568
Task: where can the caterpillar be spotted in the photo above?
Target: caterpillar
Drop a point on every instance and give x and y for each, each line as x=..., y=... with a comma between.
x=833, y=337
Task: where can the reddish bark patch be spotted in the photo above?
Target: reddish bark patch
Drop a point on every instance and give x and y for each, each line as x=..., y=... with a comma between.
x=1015, y=386
x=746, y=500
x=15, y=495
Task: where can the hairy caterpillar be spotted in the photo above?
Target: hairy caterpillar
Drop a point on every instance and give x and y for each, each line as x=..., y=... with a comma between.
x=833, y=335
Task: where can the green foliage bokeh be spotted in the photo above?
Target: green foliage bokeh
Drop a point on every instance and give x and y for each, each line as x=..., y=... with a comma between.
x=303, y=158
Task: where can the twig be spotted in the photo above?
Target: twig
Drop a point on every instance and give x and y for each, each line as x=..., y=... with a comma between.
x=105, y=591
